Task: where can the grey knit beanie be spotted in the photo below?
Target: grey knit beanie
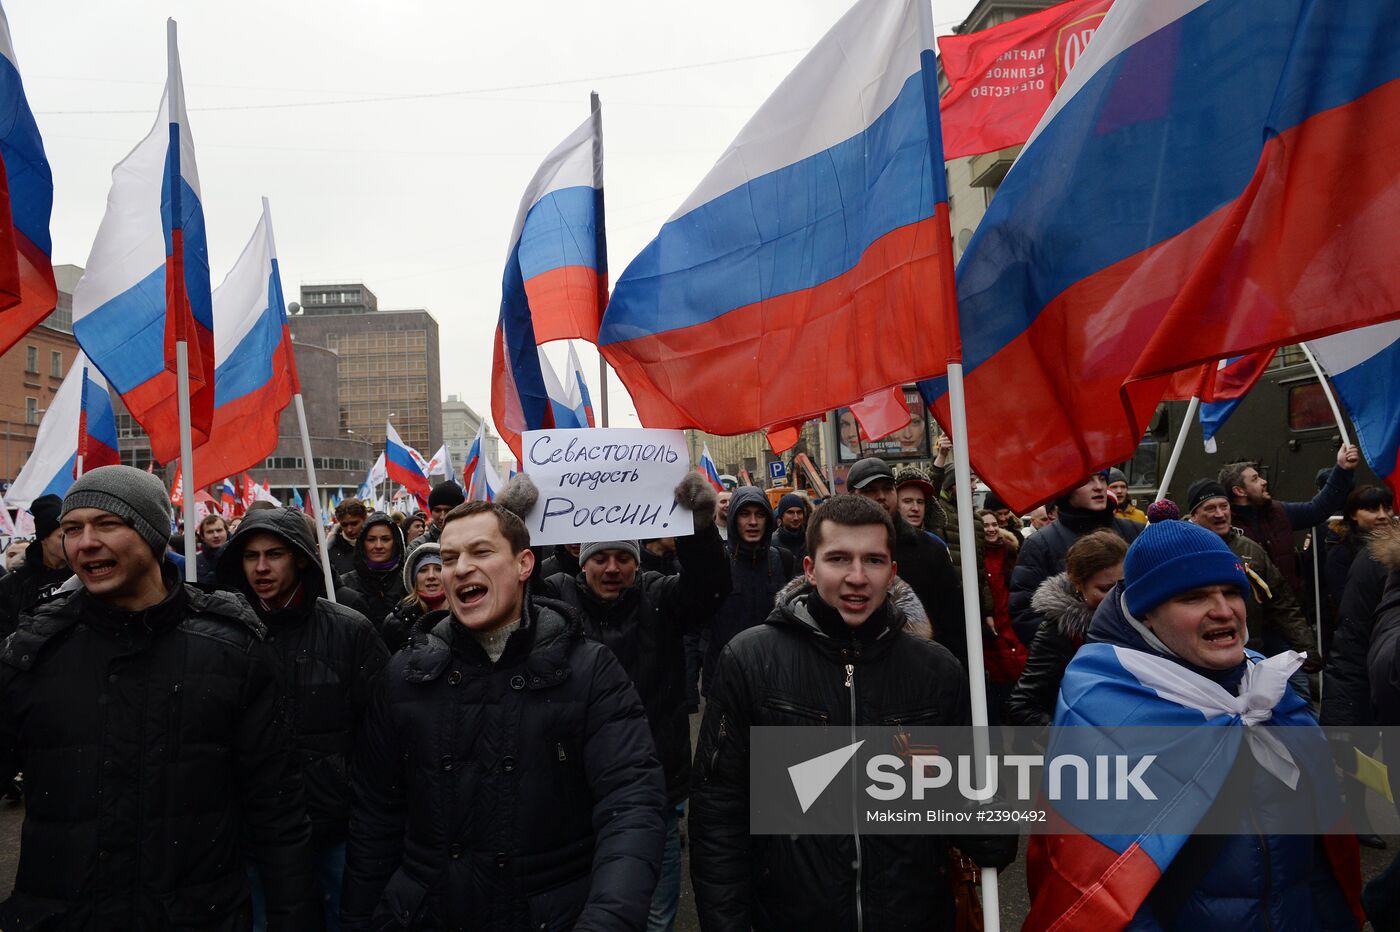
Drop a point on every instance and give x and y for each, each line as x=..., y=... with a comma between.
x=134, y=495
x=587, y=550
x=426, y=552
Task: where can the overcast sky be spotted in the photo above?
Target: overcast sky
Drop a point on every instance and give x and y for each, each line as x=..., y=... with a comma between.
x=394, y=139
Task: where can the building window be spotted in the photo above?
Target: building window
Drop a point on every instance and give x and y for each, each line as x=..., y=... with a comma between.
x=31, y=359
x=31, y=410
x=56, y=365
x=1308, y=408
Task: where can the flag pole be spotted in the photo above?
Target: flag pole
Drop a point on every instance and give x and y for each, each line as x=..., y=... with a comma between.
x=972, y=610
x=1191, y=410
x=1327, y=390
x=596, y=108
x=182, y=349
x=313, y=490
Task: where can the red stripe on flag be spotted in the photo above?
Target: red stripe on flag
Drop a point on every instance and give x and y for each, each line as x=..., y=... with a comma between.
x=795, y=356
x=564, y=303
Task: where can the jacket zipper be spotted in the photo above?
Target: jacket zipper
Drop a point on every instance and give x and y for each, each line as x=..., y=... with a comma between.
x=855, y=803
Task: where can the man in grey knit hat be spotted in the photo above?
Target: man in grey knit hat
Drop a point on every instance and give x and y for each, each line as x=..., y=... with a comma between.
x=144, y=713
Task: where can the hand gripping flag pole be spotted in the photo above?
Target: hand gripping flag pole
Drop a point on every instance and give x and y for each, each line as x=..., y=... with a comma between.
x=972, y=612
x=182, y=348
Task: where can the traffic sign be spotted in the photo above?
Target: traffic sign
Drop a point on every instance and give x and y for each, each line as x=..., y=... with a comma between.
x=777, y=471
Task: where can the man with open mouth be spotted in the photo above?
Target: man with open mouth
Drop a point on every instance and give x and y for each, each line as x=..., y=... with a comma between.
x=505, y=777
x=147, y=717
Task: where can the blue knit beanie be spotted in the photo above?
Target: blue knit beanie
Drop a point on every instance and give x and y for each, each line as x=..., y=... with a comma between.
x=1173, y=557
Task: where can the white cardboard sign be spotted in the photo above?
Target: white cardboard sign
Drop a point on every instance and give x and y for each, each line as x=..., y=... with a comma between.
x=608, y=483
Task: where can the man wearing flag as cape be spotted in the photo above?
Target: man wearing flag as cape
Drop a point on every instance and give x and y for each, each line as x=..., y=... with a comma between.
x=1166, y=648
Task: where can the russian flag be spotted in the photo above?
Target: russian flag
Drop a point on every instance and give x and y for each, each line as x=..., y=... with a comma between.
x=255, y=370
x=811, y=266
x=708, y=470
x=1364, y=366
x=577, y=389
x=146, y=284
x=1215, y=178
x=565, y=405
x=402, y=467
x=556, y=278
x=27, y=289
x=79, y=419
x=483, y=482
x=229, y=499
x=1096, y=880
x=441, y=464
x=1230, y=381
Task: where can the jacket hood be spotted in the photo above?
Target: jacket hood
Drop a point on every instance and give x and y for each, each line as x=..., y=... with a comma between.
x=1057, y=600
x=790, y=607
x=1384, y=545
x=750, y=495
x=374, y=519
x=287, y=523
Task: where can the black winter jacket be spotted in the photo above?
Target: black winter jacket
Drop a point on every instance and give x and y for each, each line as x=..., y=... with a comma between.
x=559, y=561
x=27, y=586
x=644, y=629
x=381, y=590
x=330, y=657
x=1065, y=621
x=758, y=572
x=155, y=758
x=1383, y=666
x=1347, y=699
x=206, y=564
x=791, y=672
x=1043, y=555
x=403, y=624
x=925, y=565
x=342, y=553
x=523, y=794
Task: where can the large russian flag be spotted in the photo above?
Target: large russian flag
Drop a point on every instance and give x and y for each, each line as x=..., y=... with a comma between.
x=811, y=266
x=401, y=466
x=1364, y=366
x=556, y=278
x=27, y=289
x=254, y=366
x=146, y=284
x=79, y=419
x=1215, y=177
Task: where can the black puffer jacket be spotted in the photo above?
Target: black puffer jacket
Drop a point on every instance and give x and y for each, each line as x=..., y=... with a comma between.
x=403, y=624
x=1044, y=555
x=382, y=590
x=342, y=553
x=1347, y=699
x=1065, y=621
x=330, y=658
x=644, y=629
x=28, y=585
x=523, y=794
x=154, y=753
x=790, y=671
x=558, y=561
x=758, y=572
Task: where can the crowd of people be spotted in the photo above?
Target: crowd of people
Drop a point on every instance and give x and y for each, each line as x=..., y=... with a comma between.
x=465, y=732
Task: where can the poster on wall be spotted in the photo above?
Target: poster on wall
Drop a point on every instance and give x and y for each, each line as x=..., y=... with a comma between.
x=914, y=441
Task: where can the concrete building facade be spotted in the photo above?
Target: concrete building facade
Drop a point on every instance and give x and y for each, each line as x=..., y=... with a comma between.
x=387, y=364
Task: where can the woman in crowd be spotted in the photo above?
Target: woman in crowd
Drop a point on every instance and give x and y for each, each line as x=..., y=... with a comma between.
x=1004, y=656
x=422, y=576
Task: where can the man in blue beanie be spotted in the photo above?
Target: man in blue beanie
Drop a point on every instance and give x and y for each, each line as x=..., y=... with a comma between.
x=1167, y=648
x=792, y=513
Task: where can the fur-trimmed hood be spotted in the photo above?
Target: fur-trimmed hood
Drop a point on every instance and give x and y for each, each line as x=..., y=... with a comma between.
x=1384, y=546
x=900, y=596
x=1058, y=601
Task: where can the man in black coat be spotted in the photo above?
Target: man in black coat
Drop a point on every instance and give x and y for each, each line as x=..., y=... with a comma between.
x=923, y=560
x=441, y=500
x=45, y=566
x=506, y=777
x=834, y=644
x=213, y=535
x=330, y=658
x=377, y=579
x=642, y=617
x=350, y=517
x=1082, y=511
x=791, y=535
x=145, y=715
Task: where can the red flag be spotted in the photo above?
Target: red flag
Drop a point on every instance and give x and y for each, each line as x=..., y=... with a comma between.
x=177, y=492
x=1002, y=79
x=881, y=413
